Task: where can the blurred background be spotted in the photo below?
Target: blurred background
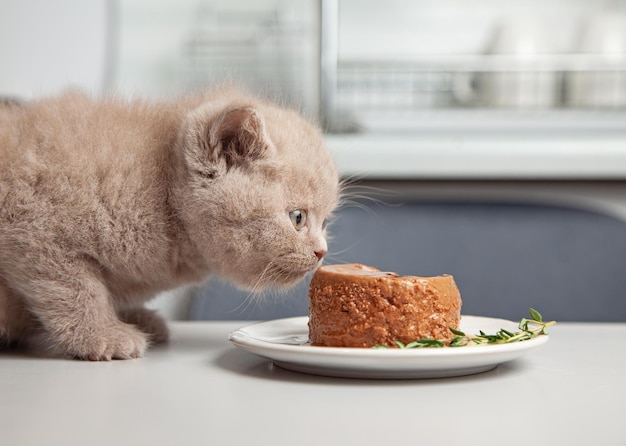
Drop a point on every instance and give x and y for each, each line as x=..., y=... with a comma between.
x=484, y=139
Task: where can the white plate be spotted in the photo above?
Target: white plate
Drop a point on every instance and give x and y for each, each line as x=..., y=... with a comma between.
x=285, y=342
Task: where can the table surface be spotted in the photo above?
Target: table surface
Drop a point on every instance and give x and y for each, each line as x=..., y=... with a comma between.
x=200, y=389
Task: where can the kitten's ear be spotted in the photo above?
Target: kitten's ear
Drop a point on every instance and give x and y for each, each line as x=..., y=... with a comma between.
x=239, y=136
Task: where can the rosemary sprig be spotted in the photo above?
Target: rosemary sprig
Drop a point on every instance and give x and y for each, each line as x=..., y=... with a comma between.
x=529, y=328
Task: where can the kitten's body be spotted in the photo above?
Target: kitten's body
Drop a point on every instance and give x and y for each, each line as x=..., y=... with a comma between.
x=105, y=203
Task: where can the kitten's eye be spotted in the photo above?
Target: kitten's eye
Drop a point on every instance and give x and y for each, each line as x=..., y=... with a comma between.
x=298, y=218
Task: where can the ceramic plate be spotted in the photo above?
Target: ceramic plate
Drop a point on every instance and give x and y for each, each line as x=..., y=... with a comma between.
x=285, y=342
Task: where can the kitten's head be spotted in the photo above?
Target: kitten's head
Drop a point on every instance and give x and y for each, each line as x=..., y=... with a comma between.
x=257, y=191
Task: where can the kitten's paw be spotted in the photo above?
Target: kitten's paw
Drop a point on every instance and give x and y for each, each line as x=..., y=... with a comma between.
x=147, y=321
x=120, y=341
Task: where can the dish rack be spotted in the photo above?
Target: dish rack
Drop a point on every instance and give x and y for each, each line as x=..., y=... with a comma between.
x=431, y=82
x=289, y=55
x=536, y=89
x=363, y=91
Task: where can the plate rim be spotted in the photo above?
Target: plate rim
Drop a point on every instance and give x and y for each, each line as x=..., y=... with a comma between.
x=369, y=363
x=242, y=339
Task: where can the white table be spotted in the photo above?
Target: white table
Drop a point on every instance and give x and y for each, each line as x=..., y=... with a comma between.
x=201, y=390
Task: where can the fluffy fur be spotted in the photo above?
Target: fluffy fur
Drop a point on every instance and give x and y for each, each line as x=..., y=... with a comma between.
x=105, y=203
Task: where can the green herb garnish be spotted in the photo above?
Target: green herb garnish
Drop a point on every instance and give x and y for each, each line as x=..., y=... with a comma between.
x=529, y=328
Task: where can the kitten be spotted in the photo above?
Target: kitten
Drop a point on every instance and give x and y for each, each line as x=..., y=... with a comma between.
x=106, y=203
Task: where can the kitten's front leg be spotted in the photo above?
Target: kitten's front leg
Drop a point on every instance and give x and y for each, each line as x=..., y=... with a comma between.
x=79, y=319
x=16, y=323
x=147, y=321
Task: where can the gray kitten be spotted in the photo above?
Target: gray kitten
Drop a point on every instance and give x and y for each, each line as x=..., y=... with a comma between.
x=106, y=203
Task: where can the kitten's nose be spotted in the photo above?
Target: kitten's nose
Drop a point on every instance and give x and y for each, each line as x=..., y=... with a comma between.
x=319, y=254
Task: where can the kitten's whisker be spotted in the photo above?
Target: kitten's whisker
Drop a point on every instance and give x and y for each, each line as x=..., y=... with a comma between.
x=243, y=306
x=255, y=291
x=355, y=199
x=338, y=261
x=346, y=249
x=351, y=189
x=332, y=256
x=361, y=206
